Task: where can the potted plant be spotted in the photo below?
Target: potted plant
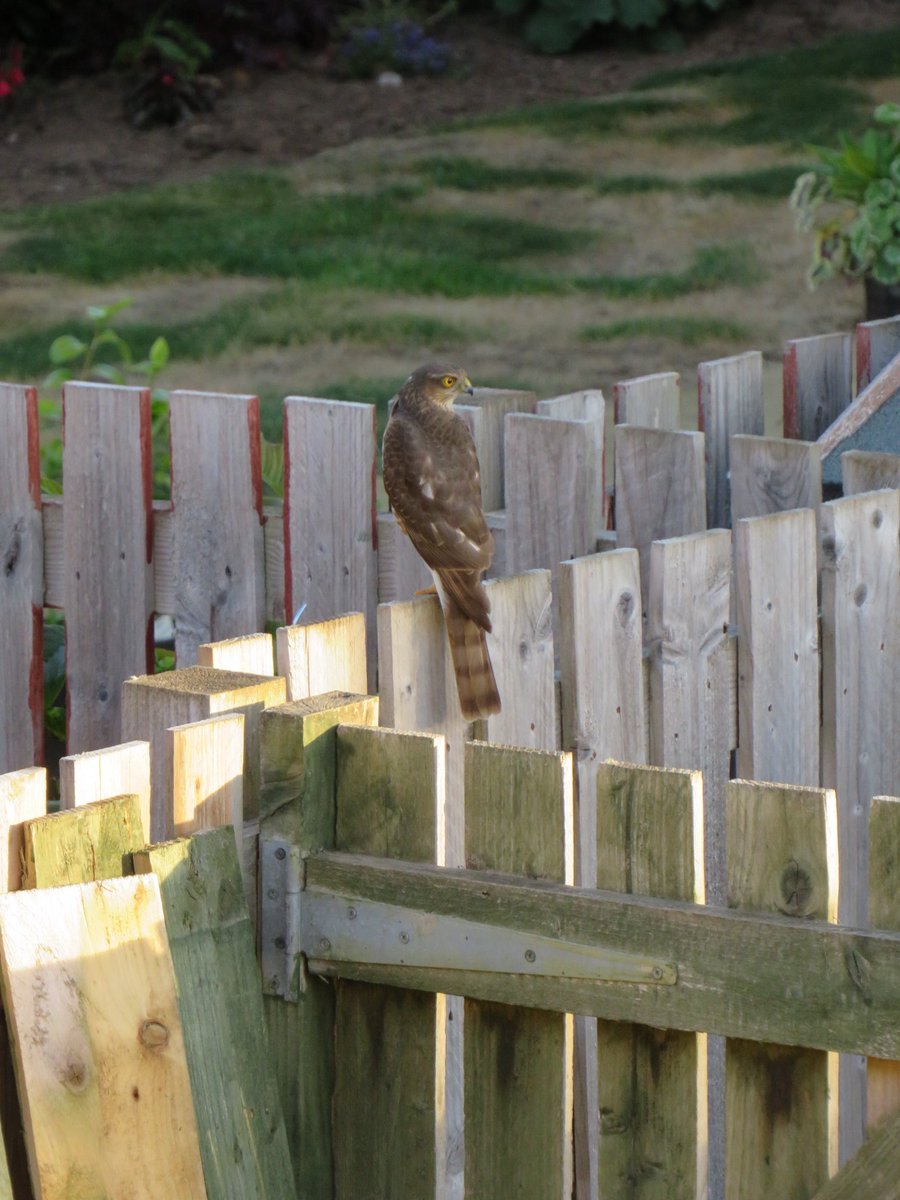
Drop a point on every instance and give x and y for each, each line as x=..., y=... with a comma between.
x=851, y=202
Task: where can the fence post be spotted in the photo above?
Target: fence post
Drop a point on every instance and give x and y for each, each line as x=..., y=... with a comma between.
x=781, y=1101
x=21, y=581
x=731, y=401
x=771, y=475
x=254, y=654
x=817, y=373
x=650, y=400
x=518, y=1072
x=323, y=656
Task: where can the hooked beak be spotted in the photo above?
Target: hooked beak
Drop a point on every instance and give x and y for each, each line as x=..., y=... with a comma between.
x=467, y=387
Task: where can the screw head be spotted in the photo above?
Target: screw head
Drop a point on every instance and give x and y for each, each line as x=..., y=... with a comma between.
x=404, y=938
x=530, y=956
x=281, y=852
x=324, y=945
x=351, y=913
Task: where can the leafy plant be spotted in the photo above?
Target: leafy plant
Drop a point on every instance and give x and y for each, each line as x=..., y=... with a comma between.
x=554, y=26
x=384, y=35
x=851, y=203
x=167, y=55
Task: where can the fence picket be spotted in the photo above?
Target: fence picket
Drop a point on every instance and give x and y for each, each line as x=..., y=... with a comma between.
x=401, y=571
x=208, y=775
x=323, y=656
x=818, y=383
x=99, y=774
x=883, y=1091
x=495, y=403
x=877, y=342
x=730, y=401
x=518, y=1061
x=782, y=858
x=869, y=471
x=652, y=1082
x=217, y=522
x=107, y=551
x=252, y=654
x=21, y=581
x=771, y=475
x=650, y=400
x=778, y=648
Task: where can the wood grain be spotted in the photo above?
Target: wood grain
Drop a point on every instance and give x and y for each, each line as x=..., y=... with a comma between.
x=869, y=471
x=730, y=401
x=323, y=656
x=818, y=383
x=883, y=1091
x=254, y=654
x=495, y=403
x=100, y=774
x=649, y=400
x=771, y=475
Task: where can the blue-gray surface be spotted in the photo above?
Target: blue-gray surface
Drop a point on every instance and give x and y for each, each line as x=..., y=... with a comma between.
x=881, y=432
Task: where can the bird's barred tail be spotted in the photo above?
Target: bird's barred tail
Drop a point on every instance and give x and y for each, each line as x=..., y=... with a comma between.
x=475, y=682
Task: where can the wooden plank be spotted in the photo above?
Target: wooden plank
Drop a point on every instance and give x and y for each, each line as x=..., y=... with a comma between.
x=243, y=1143
x=393, y=1078
x=107, y=551
x=298, y=750
x=877, y=343
x=101, y=774
x=731, y=967
x=323, y=656
x=208, y=775
x=518, y=1062
x=869, y=471
x=401, y=571
x=650, y=400
x=253, y=654
x=651, y=1082
x=100, y=1058
x=818, y=385
x=847, y=429
x=495, y=403
x=883, y=1091
x=587, y=405
x=660, y=489
x=730, y=401
x=92, y=842
x=874, y=1171
x=220, y=585
x=152, y=704
x=778, y=648
x=23, y=796
x=21, y=581
x=771, y=475
x=329, y=511
x=782, y=858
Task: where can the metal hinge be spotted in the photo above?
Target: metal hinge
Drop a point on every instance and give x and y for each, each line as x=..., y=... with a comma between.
x=327, y=928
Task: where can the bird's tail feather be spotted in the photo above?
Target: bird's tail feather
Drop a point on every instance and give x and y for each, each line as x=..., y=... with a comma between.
x=475, y=682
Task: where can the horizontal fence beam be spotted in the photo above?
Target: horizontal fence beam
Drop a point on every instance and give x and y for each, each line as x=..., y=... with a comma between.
x=771, y=979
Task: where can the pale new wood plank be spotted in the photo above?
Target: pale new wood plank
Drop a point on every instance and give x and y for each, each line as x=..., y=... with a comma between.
x=495, y=403
x=782, y=858
x=730, y=401
x=220, y=587
x=21, y=581
x=254, y=654
x=883, y=1091
x=401, y=570
x=651, y=1082
x=107, y=552
x=518, y=1062
x=778, y=648
x=660, y=489
x=101, y=1059
x=877, y=343
x=100, y=774
x=329, y=511
x=650, y=400
x=818, y=383
x=23, y=795
x=208, y=775
x=773, y=475
x=323, y=656
x=152, y=704
x=869, y=471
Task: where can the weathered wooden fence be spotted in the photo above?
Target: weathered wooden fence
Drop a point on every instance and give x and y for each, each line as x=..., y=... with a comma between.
x=637, y=683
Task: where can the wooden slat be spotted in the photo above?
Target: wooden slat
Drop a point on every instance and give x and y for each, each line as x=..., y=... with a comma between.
x=649, y=400
x=652, y=1082
x=243, y=1143
x=778, y=648
x=393, y=1077
x=217, y=519
x=107, y=552
x=100, y=774
x=883, y=1091
x=869, y=471
x=730, y=401
x=771, y=475
x=21, y=581
x=782, y=858
x=818, y=383
x=152, y=704
x=208, y=775
x=92, y=842
x=877, y=343
x=865, y=411
x=329, y=511
x=518, y=1062
x=254, y=654
x=660, y=489
x=874, y=1171
x=587, y=405
x=298, y=751
x=323, y=656
x=401, y=572
x=495, y=403
x=106, y=1095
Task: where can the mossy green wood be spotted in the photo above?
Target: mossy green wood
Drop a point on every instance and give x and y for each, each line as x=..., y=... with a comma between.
x=651, y=1082
x=781, y=858
x=883, y=1091
x=388, y=1067
x=737, y=974
x=298, y=744
x=243, y=1144
x=518, y=1061
x=95, y=841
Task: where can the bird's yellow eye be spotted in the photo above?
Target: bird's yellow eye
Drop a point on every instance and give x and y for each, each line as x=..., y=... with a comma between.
x=448, y=381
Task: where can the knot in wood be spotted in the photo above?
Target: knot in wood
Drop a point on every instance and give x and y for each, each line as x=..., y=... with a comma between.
x=75, y=1076
x=154, y=1035
x=796, y=890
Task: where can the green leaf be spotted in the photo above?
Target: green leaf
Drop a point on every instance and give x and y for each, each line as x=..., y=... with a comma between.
x=100, y=313
x=109, y=372
x=57, y=378
x=50, y=486
x=66, y=348
x=109, y=337
x=159, y=354
x=272, y=465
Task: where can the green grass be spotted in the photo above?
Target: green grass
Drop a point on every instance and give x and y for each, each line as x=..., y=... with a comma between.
x=765, y=183
x=474, y=175
x=712, y=267
x=567, y=117
x=692, y=331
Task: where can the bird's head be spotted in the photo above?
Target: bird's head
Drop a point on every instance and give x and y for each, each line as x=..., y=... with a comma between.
x=440, y=385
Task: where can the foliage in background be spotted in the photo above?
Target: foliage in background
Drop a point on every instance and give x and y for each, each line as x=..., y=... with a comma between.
x=851, y=203
x=12, y=77
x=165, y=58
x=382, y=42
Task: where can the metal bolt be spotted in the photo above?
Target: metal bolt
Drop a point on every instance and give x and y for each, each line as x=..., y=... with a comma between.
x=324, y=945
x=351, y=913
x=657, y=972
x=404, y=938
x=280, y=852
x=530, y=956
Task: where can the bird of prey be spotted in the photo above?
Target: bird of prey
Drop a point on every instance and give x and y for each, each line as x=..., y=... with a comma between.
x=432, y=480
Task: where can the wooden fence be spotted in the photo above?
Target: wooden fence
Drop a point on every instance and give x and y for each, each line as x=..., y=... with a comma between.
x=637, y=683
